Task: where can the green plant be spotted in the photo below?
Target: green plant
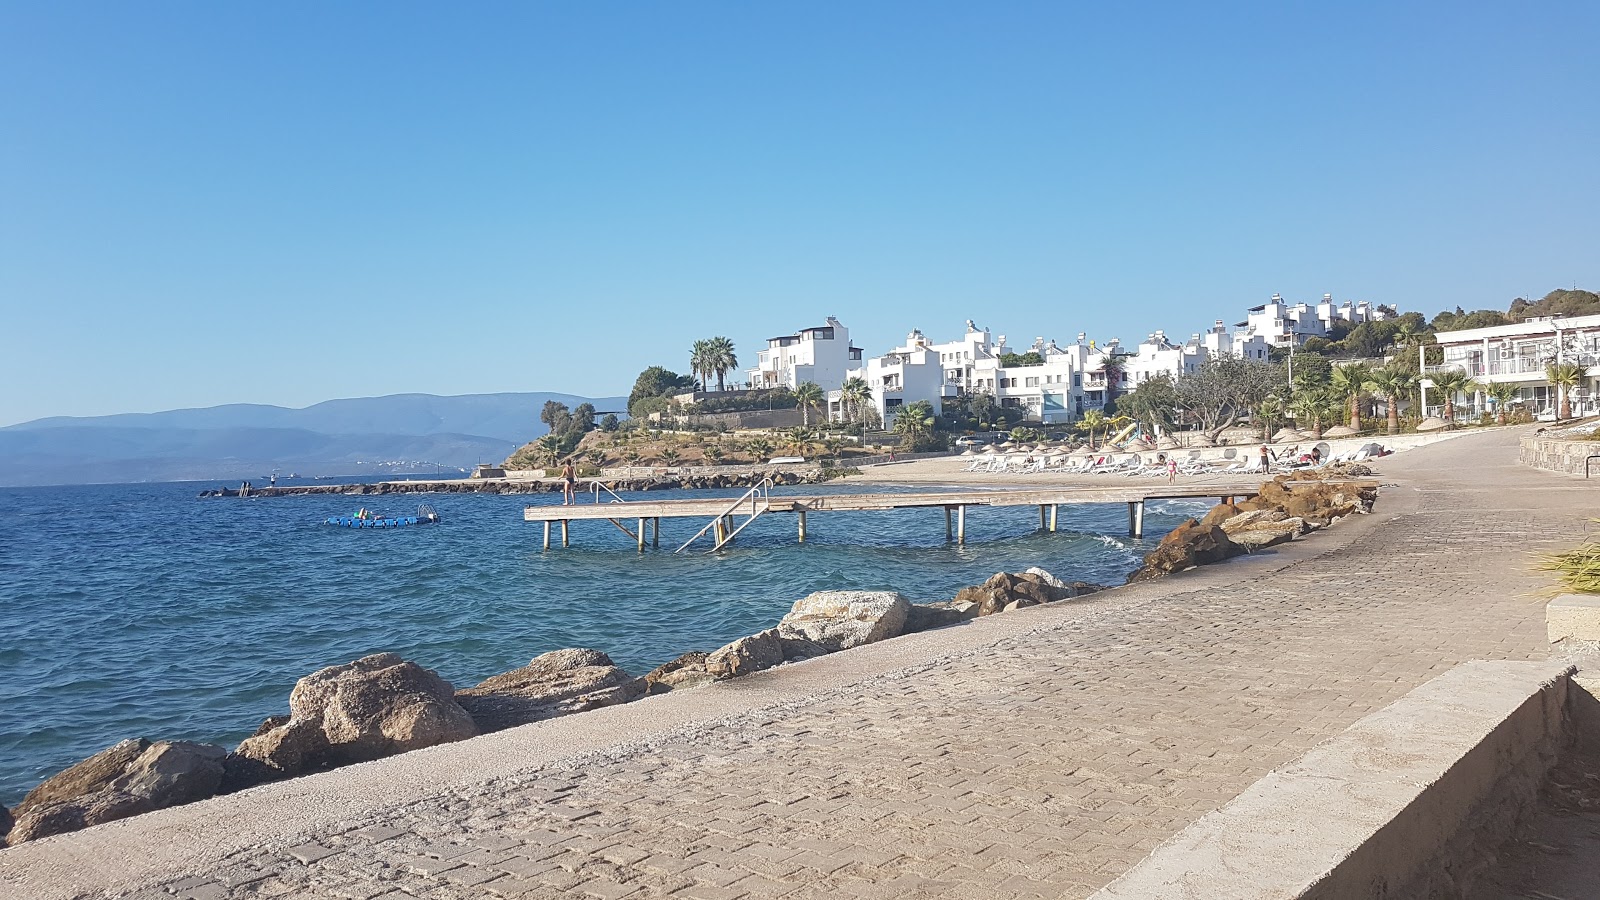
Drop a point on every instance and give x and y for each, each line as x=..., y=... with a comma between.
x=1578, y=569
x=1450, y=383
x=1502, y=393
x=1565, y=377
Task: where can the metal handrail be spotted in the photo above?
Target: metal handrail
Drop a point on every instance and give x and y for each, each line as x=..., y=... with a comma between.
x=1586, y=464
x=596, y=486
x=758, y=489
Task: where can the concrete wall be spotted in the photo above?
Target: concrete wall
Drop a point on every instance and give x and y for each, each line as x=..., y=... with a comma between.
x=1558, y=455
x=1408, y=802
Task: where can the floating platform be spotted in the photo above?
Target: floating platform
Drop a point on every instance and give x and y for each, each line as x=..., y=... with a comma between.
x=646, y=515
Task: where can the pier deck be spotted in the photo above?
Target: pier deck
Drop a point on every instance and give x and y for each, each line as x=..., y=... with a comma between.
x=722, y=511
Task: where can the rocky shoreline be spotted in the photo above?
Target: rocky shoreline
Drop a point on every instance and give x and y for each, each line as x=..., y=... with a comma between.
x=382, y=705
x=529, y=486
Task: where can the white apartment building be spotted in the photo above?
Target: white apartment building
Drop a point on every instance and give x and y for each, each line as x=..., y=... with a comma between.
x=1069, y=380
x=820, y=355
x=1281, y=323
x=1242, y=344
x=1518, y=354
x=1159, y=356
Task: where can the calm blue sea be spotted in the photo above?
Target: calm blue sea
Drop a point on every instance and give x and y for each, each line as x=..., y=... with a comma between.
x=140, y=610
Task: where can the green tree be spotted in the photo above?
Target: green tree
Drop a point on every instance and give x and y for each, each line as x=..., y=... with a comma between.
x=670, y=455
x=1565, y=378
x=1449, y=383
x=856, y=395
x=1502, y=393
x=1309, y=407
x=1091, y=421
x=656, y=382
x=1348, y=383
x=913, y=422
x=983, y=408
x=799, y=439
x=582, y=418
x=556, y=415
x=1015, y=360
x=721, y=359
x=760, y=448
x=1392, y=383
x=715, y=454
x=1223, y=388
x=809, y=396
x=1154, y=403
x=701, y=362
x=609, y=422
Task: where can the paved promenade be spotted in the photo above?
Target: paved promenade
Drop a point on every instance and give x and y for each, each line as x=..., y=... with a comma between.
x=1032, y=754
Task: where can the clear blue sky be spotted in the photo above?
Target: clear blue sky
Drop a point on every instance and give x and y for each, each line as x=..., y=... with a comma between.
x=290, y=202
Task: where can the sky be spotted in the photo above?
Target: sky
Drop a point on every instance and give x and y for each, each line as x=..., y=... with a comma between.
x=291, y=202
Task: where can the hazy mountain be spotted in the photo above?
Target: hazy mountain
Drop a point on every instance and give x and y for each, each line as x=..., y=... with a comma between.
x=371, y=435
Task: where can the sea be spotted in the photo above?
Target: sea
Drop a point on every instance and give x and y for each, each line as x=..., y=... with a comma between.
x=142, y=610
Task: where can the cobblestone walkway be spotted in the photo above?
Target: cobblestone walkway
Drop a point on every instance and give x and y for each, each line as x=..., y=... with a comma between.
x=1041, y=765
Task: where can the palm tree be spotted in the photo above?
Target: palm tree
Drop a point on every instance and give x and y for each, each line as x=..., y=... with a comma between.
x=833, y=445
x=714, y=453
x=1392, y=384
x=914, y=420
x=548, y=448
x=721, y=358
x=1091, y=421
x=809, y=396
x=1349, y=382
x=1310, y=405
x=700, y=362
x=1451, y=382
x=1502, y=393
x=800, y=439
x=632, y=456
x=1564, y=377
x=760, y=448
x=1268, y=412
x=1112, y=369
x=855, y=395
x=670, y=455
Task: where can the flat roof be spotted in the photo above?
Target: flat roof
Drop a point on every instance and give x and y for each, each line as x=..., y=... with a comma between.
x=1545, y=325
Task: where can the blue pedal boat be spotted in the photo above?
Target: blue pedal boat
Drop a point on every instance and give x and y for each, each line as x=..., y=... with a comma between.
x=425, y=516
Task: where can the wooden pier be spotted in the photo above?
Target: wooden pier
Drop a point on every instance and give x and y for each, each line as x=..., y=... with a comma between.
x=724, y=516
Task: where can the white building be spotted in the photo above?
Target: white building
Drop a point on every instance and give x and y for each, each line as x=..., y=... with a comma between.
x=1159, y=356
x=1518, y=354
x=820, y=355
x=1066, y=381
x=1280, y=323
x=1242, y=344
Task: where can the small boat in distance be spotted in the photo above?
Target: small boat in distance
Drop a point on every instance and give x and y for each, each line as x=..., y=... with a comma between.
x=364, y=519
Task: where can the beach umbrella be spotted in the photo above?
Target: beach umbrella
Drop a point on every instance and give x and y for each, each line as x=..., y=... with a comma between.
x=967, y=452
x=990, y=449
x=1141, y=444
x=1082, y=452
x=1201, y=440
x=1166, y=443
x=1432, y=423
x=1287, y=434
x=1339, y=431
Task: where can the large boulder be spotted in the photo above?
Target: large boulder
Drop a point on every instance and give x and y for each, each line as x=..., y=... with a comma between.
x=685, y=672
x=761, y=650
x=374, y=707
x=552, y=684
x=281, y=748
x=1006, y=591
x=1190, y=544
x=132, y=777
x=1220, y=513
x=1265, y=528
x=839, y=620
x=924, y=616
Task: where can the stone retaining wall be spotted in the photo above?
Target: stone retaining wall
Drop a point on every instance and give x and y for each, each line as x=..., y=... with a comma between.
x=1558, y=455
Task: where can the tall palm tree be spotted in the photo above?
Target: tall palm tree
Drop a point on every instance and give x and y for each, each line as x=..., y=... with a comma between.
x=809, y=396
x=721, y=358
x=1502, y=393
x=1310, y=405
x=855, y=394
x=700, y=362
x=1450, y=383
x=1564, y=377
x=1392, y=384
x=1112, y=369
x=1091, y=421
x=1349, y=383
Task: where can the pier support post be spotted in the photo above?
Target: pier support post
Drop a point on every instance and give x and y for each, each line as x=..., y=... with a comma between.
x=655, y=533
x=1053, y=508
x=949, y=530
x=717, y=531
x=566, y=540
x=961, y=524
x=802, y=514
x=1044, y=521
x=1136, y=518
x=547, y=534
x=642, y=523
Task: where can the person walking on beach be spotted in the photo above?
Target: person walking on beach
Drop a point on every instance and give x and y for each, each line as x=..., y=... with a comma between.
x=1266, y=458
x=1172, y=469
x=569, y=484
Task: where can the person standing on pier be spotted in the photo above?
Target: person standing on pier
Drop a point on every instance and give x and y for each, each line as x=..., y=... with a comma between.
x=569, y=484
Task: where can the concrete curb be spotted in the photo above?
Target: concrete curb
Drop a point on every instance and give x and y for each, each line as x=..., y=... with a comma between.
x=1393, y=806
x=1575, y=616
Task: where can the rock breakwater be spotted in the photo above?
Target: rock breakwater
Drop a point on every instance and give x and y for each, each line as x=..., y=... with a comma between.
x=530, y=486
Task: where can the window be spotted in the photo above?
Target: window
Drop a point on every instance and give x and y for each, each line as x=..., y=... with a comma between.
x=1032, y=381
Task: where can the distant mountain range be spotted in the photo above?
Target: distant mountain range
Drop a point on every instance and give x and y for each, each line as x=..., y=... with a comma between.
x=368, y=435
